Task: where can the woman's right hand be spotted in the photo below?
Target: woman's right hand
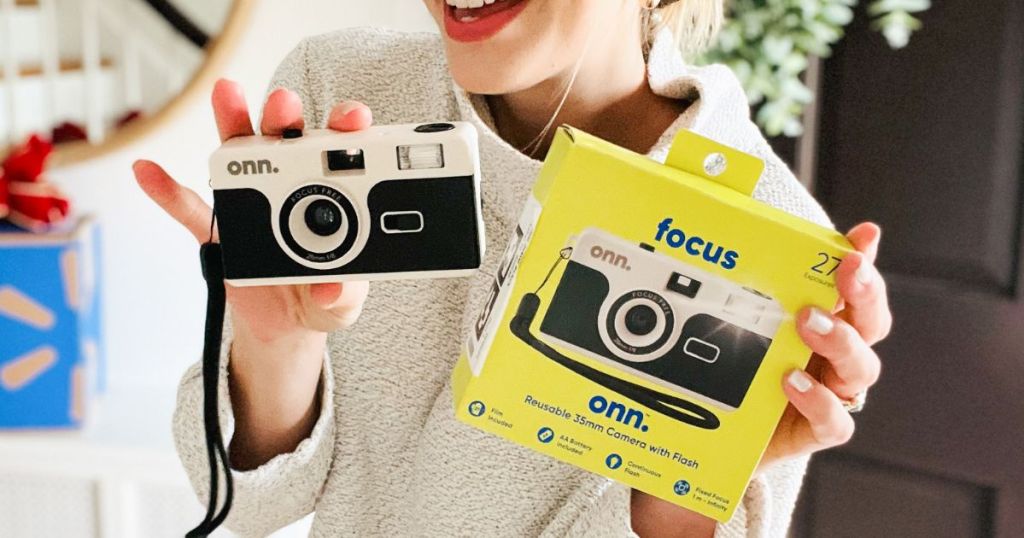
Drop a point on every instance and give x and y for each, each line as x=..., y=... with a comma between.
x=280, y=332
x=271, y=312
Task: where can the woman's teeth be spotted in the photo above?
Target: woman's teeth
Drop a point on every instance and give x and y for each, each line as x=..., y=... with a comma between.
x=468, y=4
x=477, y=20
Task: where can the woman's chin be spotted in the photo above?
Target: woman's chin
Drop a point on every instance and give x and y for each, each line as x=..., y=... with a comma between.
x=479, y=86
x=477, y=79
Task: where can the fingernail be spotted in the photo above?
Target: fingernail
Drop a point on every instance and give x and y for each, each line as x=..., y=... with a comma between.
x=224, y=83
x=799, y=381
x=345, y=108
x=864, y=273
x=284, y=93
x=820, y=322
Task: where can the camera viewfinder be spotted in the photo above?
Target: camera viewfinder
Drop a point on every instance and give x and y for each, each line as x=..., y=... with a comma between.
x=683, y=285
x=346, y=160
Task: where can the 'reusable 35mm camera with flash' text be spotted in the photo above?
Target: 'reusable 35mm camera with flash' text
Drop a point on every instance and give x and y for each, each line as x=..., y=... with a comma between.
x=389, y=202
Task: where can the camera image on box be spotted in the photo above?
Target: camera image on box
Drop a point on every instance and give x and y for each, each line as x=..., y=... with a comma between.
x=661, y=319
x=389, y=202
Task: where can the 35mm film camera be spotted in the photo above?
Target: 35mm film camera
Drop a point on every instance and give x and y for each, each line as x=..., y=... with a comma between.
x=661, y=319
x=389, y=202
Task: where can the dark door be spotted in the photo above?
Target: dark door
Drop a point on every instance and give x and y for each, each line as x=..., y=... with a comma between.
x=928, y=141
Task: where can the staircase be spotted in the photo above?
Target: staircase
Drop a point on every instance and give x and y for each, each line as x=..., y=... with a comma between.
x=88, y=62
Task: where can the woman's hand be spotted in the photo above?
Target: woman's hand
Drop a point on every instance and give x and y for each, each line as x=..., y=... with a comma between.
x=269, y=312
x=280, y=332
x=843, y=364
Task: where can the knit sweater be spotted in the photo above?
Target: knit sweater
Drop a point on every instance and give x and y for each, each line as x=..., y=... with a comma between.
x=386, y=456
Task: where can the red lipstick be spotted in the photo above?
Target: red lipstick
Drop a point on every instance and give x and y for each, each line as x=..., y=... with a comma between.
x=478, y=24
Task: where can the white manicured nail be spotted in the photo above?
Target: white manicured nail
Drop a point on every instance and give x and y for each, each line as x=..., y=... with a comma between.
x=865, y=273
x=820, y=322
x=799, y=381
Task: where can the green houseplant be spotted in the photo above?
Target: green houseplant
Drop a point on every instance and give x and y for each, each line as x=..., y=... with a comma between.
x=768, y=43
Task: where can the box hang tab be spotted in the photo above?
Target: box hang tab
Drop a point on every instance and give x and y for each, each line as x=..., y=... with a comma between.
x=708, y=159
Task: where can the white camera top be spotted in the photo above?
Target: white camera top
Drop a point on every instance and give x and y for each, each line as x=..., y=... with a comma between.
x=394, y=151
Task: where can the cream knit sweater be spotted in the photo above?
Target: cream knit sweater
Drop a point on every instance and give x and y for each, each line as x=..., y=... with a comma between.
x=386, y=456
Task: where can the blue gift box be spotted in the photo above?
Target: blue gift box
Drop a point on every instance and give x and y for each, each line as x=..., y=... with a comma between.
x=51, y=354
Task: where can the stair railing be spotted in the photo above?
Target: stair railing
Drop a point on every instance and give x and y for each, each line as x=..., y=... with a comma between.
x=137, y=50
x=11, y=69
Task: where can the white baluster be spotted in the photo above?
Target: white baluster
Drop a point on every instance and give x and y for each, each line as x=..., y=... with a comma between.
x=131, y=71
x=48, y=44
x=11, y=71
x=91, y=66
x=142, y=46
x=176, y=77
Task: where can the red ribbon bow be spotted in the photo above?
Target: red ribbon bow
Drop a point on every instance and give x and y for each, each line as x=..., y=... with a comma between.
x=26, y=199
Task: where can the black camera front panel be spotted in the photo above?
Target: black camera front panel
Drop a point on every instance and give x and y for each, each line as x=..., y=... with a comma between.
x=711, y=357
x=448, y=240
x=572, y=315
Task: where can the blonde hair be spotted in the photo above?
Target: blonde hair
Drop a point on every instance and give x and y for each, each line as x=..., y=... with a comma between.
x=694, y=23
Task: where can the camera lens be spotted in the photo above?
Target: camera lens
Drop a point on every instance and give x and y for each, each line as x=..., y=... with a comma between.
x=638, y=325
x=323, y=218
x=641, y=320
x=319, y=225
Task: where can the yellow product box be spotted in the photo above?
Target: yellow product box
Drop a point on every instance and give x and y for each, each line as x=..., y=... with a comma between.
x=642, y=319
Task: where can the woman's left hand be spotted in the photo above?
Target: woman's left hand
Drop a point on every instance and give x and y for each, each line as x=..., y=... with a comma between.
x=843, y=364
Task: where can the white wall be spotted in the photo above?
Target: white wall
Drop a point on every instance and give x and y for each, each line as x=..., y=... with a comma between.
x=153, y=290
x=207, y=14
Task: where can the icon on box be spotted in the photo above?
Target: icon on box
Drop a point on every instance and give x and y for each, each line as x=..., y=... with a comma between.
x=477, y=408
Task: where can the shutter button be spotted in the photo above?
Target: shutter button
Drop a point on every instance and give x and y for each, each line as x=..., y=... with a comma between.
x=290, y=134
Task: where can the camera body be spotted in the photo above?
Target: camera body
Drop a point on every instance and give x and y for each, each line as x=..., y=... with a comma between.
x=661, y=319
x=389, y=202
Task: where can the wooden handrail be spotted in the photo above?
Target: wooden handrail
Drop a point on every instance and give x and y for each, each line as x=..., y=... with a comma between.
x=66, y=66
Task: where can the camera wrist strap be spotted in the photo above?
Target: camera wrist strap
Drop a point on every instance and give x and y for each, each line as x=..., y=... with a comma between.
x=213, y=273
x=671, y=406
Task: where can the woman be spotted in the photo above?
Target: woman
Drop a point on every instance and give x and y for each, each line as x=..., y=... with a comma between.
x=367, y=438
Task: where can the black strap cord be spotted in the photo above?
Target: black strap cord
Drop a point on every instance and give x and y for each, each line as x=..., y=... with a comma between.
x=213, y=273
x=671, y=406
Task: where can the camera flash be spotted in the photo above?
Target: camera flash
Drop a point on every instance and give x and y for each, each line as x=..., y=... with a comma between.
x=750, y=305
x=420, y=156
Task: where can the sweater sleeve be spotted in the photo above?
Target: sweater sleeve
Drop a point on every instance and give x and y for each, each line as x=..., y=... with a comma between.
x=768, y=504
x=286, y=488
x=280, y=491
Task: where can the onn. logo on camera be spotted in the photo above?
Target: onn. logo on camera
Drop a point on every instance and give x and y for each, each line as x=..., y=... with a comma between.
x=610, y=257
x=250, y=168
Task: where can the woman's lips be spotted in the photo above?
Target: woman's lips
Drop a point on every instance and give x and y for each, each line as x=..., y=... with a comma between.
x=477, y=24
